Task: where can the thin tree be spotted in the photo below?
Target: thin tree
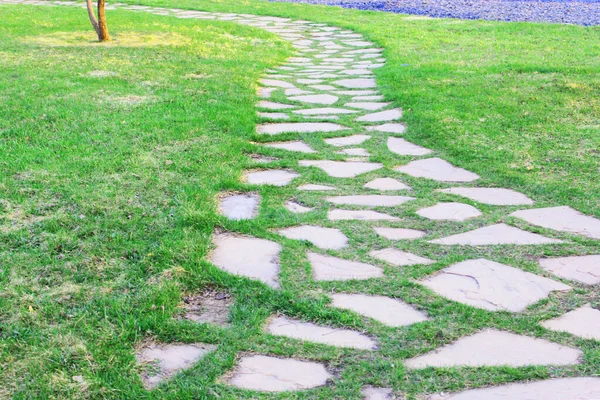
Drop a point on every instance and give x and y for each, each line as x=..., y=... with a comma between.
x=99, y=24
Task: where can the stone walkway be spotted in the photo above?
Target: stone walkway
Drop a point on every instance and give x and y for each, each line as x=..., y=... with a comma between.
x=329, y=88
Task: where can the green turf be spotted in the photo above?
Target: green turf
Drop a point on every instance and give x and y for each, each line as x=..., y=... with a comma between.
x=109, y=188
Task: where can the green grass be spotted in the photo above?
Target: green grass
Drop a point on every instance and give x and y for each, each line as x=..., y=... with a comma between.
x=109, y=184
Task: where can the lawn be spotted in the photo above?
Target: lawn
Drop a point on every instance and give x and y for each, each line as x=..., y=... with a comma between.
x=112, y=157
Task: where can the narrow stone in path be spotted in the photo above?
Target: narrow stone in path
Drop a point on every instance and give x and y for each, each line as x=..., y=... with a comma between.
x=316, y=99
x=369, y=106
x=298, y=146
x=355, y=92
x=405, y=148
x=327, y=268
x=162, y=361
x=282, y=326
x=388, y=128
x=437, y=169
x=374, y=200
x=296, y=92
x=381, y=116
x=584, y=269
x=309, y=81
x=274, y=177
x=563, y=219
x=360, y=83
x=273, y=116
x=265, y=93
x=360, y=215
x=324, y=111
x=368, y=98
x=399, y=258
x=497, y=348
x=386, y=184
x=388, y=311
x=324, y=238
x=247, y=256
x=449, y=212
x=298, y=127
x=373, y=393
x=551, y=389
x=271, y=374
x=274, y=106
x=495, y=234
x=358, y=151
x=297, y=208
x=493, y=196
x=341, y=169
x=583, y=322
x=399, y=233
x=240, y=206
x=315, y=188
x=276, y=83
x=491, y=286
x=347, y=140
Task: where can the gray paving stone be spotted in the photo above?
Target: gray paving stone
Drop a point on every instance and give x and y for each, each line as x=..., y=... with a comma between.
x=583, y=322
x=493, y=196
x=373, y=393
x=298, y=127
x=583, y=269
x=358, y=151
x=265, y=92
x=388, y=311
x=388, y=128
x=270, y=105
x=274, y=177
x=356, y=92
x=406, y=148
x=297, y=146
x=497, y=348
x=247, y=256
x=449, y=212
x=388, y=115
x=315, y=188
x=271, y=374
x=494, y=235
x=360, y=215
x=374, y=200
x=240, y=206
x=491, y=286
x=296, y=92
x=327, y=268
x=386, y=184
x=399, y=233
x=276, y=83
x=296, y=208
x=369, y=106
x=359, y=83
x=274, y=116
x=563, y=219
x=399, y=258
x=347, y=140
x=368, y=98
x=324, y=111
x=323, y=117
x=324, y=238
x=283, y=326
x=438, y=170
x=341, y=169
x=315, y=99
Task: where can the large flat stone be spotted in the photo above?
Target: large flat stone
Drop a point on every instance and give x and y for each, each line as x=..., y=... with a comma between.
x=563, y=219
x=360, y=215
x=359, y=83
x=327, y=268
x=341, y=169
x=324, y=238
x=297, y=146
x=276, y=83
x=386, y=184
x=495, y=234
x=449, y=212
x=316, y=98
x=381, y=116
x=399, y=258
x=388, y=128
x=347, y=140
x=497, y=348
x=583, y=322
x=493, y=196
x=584, y=269
x=240, y=206
x=491, y=286
x=388, y=311
x=552, y=389
x=247, y=256
x=270, y=105
x=273, y=177
x=406, y=148
x=437, y=169
x=282, y=326
x=374, y=200
x=399, y=233
x=298, y=127
x=270, y=374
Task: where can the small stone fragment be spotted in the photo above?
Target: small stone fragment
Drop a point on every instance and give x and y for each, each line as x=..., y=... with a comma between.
x=399, y=258
x=388, y=311
x=327, y=268
x=273, y=116
x=273, y=177
x=270, y=105
x=316, y=98
x=370, y=106
x=399, y=233
x=437, y=169
x=324, y=238
x=386, y=184
x=388, y=128
x=347, y=140
x=297, y=208
x=449, y=212
x=372, y=393
x=298, y=146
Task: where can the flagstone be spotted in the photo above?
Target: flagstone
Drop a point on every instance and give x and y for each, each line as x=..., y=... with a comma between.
x=324, y=238
x=247, y=256
x=324, y=87
x=361, y=215
x=322, y=117
x=493, y=196
x=272, y=115
x=399, y=233
x=388, y=128
x=305, y=81
x=316, y=98
x=240, y=206
x=298, y=127
x=356, y=71
x=324, y=110
x=347, y=140
x=298, y=146
x=358, y=151
x=265, y=92
x=276, y=83
x=388, y=115
x=374, y=200
x=373, y=393
x=356, y=92
x=449, y=212
x=296, y=92
x=368, y=98
x=405, y=148
x=386, y=184
x=388, y=311
x=313, y=187
x=497, y=348
x=584, y=269
x=399, y=258
x=270, y=105
x=341, y=169
x=273, y=177
x=370, y=106
x=494, y=235
x=282, y=326
x=271, y=374
x=491, y=286
x=437, y=169
x=583, y=322
x=563, y=219
x=260, y=159
x=297, y=208
x=327, y=268
x=359, y=83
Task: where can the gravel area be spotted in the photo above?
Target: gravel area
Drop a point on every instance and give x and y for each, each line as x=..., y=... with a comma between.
x=580, y=12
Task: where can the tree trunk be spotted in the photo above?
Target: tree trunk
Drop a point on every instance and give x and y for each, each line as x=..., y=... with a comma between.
x=103, y=35
x=90, y=10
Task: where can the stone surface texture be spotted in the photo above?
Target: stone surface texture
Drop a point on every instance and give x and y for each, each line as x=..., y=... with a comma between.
x=583, y=269
x=563, y=219
x=327, y=268
x=449, y=212
x=583, y=322
x=240, y=206
x=324, y=238
x=493, y=196
x=388, y=311
x=438, y=170
x=495, y=235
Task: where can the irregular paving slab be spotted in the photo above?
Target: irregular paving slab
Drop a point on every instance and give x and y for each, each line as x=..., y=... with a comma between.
x=495, y=234
x=388, y=128
x=276, y=83
x=399, y=233
x=327, y=268
x=449, y=212
x=497, y=348
x=341, y=169
x=374, y=200
x=273, y=116
x=298, y=146
x=297, y=208
x=324, y=238
x=274, y=106
x=360, y=83
x=399, y=258
x=364, y=105
x=583, y=322
x=584, y=269
x=360, y=215
x=247, y=256
x=493, y=196
x=437, y=169
x=405, y=148
x=240, y=206
x=386, y=184
x=165, y=360
x=315, y=188
x=563, y=219
x=491, y=286
x=372, y=393
x=282, y=326
x=388, y=311
x=381, y=116
x=316, y=99
x=274, y=177
x=270, y=374
x=355, y=152
x=298, y=127
x=324, y=111
x=348, y=140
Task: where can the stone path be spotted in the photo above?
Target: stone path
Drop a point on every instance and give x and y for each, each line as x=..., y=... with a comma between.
x=332, y=78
